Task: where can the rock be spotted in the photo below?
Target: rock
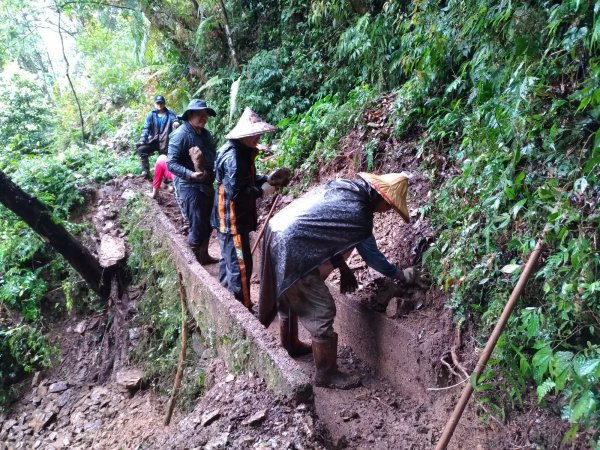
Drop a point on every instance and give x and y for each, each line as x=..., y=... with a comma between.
x=244, y=442
x=58, y=387
x=219, y=441
x=37, y=377
x=80, y=327
x=108, y=226
x=42, y=391
x=128, y=194
x=134, y=333
x=98, y=394
x=347, y=415
x=41, y=419
x=53, y=435
x=8, y=424
x=256, y=418
x=36, y=400
x=209, y=417
x=91, y=426
x=112, y=250
x=229, y=378
x=130, y=378
x=63, y=398
x=392, y=308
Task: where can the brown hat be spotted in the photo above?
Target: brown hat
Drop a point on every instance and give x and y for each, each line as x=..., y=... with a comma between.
x=250, y=125
x=393, y=187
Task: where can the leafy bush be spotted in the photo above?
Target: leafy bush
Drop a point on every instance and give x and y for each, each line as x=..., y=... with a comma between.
x=312, y=138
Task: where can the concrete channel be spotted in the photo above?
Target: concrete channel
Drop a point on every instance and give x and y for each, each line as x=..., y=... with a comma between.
x=225, y=324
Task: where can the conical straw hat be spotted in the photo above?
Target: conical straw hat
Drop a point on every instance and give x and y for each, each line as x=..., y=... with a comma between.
x=250, y=125
x=393, y=187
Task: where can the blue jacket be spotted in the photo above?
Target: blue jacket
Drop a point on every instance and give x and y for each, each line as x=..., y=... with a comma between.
x=152, y=131
x=238, y=187
x=179, y=161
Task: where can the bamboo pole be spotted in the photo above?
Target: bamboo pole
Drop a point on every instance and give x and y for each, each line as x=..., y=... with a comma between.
x=489, y=347
x=264, y=227
x=184, y=337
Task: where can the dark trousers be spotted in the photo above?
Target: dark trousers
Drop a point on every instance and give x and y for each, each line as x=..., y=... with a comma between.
x=145, y=150
x=197, y=205
x=235, y=266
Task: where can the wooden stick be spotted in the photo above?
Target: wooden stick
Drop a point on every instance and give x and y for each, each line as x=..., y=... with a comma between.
x=264, y=227
x=184, y=336
x=489, y=347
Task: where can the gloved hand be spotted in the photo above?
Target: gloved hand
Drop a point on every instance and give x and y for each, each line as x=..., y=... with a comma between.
x=280, y=177
x=412, y=276
x=175, y=125
x=348, y=282
x=268, y=189
x=198, y=176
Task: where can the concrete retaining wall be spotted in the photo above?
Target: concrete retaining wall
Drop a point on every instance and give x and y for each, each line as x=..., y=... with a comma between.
x=225, y=324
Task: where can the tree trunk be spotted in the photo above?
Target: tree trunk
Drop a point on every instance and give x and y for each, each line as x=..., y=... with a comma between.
x=234, y=59
x=39, y=218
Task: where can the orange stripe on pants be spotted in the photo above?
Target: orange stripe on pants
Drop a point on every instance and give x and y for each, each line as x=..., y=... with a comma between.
x=237, y=241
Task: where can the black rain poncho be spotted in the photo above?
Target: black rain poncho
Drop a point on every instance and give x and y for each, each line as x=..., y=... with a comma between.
x=308, y=232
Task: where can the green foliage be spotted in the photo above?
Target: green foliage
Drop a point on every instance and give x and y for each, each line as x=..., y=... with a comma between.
x=513, y=149
x=24, y=349
x=311, y=138
x=159, y=310
x=26, y=121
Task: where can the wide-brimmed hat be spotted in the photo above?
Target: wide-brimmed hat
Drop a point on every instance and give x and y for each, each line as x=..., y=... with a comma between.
x=250, y=124
x=197, y=105
x=393, y=187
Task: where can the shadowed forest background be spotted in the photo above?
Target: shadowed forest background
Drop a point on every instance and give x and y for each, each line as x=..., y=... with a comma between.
x=501, y=98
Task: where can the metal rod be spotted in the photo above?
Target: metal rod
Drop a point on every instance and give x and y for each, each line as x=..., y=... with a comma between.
x=264, y=227
x=489, y=347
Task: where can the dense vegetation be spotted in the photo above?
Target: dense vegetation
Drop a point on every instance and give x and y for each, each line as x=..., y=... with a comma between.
x=502, y=99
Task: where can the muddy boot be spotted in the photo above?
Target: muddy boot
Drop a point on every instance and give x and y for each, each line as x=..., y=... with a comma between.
x=288, y=332
x=328, y=375
x=202, y=254
x=145, y=167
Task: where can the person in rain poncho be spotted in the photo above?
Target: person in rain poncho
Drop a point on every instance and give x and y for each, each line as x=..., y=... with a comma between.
x=305, y=241
x=234, y=213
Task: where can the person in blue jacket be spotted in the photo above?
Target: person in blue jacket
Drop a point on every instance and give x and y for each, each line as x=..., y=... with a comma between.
x=155, y=135
x=194, y=185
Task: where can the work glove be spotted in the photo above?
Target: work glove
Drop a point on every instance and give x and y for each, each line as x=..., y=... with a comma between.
x=175, y=125
x=198, y=176
x=412, y=276
x=348, y=282
x=280, y=177
x=268, y=189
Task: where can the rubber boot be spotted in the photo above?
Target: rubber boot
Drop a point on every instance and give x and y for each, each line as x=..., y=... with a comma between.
x=327, y=374
x=288, y=332
x=203, y=256
x=145, y=167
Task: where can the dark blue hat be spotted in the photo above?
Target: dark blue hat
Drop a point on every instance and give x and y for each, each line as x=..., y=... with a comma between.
x=198, y=105
x=159, y=99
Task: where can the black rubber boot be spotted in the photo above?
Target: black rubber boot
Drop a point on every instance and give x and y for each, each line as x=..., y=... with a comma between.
x=145, y=167
x=288, y=332
x=202, y=255
x=327, y=374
